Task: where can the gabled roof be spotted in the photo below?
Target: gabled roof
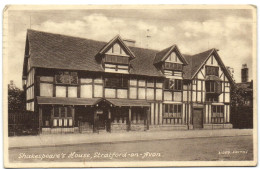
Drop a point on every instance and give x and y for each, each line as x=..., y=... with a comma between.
x=163, y=54
x=112, y=41
x=197, y=61
x=48, y=50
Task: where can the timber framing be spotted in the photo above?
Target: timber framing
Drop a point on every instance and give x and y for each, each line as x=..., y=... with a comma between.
x=130, y=90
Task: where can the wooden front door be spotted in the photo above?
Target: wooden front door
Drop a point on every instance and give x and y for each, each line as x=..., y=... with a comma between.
x=102, y=120
x=197, y=118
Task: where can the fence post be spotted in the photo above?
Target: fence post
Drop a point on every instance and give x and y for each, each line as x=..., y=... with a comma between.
x=40, y=119
x=14, y=124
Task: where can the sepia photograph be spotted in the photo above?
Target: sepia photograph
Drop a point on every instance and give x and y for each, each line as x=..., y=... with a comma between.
x=129, y=85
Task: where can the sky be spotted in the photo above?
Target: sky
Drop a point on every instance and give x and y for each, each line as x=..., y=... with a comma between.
x=192, y=30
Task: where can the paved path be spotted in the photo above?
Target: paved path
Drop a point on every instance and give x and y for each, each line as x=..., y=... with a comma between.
x=196, y=149
x=73, y=139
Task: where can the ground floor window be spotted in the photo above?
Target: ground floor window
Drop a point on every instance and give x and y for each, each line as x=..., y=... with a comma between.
x=138, y=116
x=63, y=116
x=217, y=114
x=173, y=111
x=119, y=115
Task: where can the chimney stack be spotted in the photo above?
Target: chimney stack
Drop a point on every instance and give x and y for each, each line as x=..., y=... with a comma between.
x=244, y=73
x=129, y=42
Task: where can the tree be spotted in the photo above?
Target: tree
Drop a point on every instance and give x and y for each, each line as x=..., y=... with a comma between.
x=16, y=100
x=241, y=115
x=241, y=94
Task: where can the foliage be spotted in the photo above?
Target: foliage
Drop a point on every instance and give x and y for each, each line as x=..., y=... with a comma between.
x=239, y=95
x=16, y=100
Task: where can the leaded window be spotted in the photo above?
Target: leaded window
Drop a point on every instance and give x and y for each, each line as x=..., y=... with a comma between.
x=63, y=116
x=173, y=84
x=116, y=82
x=66, y=78
x=173, y=110
x=212, y=70
x=217, y=114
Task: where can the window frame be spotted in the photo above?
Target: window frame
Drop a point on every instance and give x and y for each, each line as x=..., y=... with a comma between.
x=173, y=111
x=218, y=118
x=116, y=59
x=121, y=84
x=173, y=66
x=70, y=77
x=59, y=117
x=209, y=70
x=211, y=86
x=212, y=98
x=178, y=87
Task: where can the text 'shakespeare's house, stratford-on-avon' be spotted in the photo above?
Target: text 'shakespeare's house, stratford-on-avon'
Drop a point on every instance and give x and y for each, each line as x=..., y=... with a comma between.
x=82, y=85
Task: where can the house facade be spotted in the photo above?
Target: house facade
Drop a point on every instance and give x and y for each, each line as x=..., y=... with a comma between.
x=82, y=85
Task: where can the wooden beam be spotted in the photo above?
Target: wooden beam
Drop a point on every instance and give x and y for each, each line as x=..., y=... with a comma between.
x=145, y=118
x=73, y=115
x=109, y=121
x=95, y=122
x=148, y=118
x=40, y=119
x=129, y=118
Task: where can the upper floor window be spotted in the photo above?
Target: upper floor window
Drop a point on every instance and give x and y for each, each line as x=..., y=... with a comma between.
x=173, y=84
x=66, y=78
x=212, y=98
x=116, y=82
x=172, y=73
x=150, y=83
x=173, y=66
x=212, y=70
x=213, y=87
x=116, y=59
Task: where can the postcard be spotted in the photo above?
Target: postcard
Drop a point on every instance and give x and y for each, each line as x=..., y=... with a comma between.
x=129, y=85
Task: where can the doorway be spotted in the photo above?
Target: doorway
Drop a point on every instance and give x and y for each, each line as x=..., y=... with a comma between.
x=197, y=118
x=102, y=120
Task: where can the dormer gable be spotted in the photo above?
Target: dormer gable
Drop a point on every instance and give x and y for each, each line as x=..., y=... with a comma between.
x=116, y=56
x=173, y=58
x=214, y=67
x=116, y=49
x=170, y=54
x=117, y=46
x=170, y=61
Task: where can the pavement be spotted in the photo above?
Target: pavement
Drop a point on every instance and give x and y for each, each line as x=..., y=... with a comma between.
x=94, y=138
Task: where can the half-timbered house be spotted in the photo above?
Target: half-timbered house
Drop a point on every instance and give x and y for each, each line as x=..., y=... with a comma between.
x=81, y=85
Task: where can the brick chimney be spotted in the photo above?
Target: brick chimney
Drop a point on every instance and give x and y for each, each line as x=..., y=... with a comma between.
x=244, y=73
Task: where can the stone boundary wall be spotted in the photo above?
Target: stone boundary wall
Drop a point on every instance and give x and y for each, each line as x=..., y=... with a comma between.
x=167, y=127
x=217, y=126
